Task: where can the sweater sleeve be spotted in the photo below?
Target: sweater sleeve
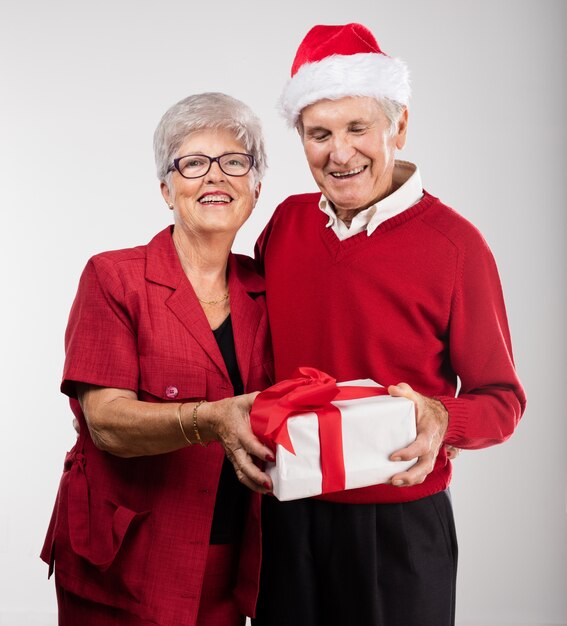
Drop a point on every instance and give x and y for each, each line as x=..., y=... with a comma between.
x=491, y=399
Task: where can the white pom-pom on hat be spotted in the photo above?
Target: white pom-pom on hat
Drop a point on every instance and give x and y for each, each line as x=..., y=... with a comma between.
x=334, y=62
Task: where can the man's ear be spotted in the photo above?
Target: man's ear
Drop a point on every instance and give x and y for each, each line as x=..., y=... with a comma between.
x=402, y=129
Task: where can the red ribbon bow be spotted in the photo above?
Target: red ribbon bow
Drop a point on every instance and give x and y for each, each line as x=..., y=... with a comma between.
x=310, y=391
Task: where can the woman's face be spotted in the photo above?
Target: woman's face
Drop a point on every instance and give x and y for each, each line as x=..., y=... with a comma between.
x=215, y=203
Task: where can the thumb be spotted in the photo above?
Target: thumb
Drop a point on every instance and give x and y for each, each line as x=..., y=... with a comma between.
x=247, y=399
x=401, y=390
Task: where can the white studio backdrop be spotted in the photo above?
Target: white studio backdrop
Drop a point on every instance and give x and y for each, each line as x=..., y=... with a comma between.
x=83, y=86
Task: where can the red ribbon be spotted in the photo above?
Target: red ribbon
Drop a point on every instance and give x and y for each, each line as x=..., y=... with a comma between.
x=310, y=391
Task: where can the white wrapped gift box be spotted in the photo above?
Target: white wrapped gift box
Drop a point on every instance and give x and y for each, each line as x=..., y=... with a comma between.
x=372, y=428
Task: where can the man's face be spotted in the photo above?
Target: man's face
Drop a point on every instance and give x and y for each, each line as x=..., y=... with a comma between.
x=350, y=150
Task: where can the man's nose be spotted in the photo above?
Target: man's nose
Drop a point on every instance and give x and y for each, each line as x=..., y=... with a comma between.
x=342, y=150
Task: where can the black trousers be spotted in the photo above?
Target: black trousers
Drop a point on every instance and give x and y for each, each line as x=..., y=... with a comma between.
x=328, y=564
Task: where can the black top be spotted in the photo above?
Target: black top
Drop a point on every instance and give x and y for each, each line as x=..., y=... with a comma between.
x=232, y=496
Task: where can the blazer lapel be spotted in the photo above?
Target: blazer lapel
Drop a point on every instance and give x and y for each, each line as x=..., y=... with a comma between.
x=163, y=267
x=185, y=306
x=245, y=311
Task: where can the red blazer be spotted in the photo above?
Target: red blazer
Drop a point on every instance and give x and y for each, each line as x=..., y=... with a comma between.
x=134, y=533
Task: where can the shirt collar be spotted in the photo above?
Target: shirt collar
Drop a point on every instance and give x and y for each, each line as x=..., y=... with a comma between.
x=409, y=191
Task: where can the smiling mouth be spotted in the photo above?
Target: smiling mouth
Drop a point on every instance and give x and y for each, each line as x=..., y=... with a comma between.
x=350, y=173
x=211, y=199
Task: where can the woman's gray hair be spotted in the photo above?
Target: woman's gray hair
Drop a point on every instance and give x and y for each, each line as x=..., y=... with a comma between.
x=202, y=111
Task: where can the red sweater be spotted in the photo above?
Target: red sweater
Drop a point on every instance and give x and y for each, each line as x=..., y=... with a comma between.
x=419, y=301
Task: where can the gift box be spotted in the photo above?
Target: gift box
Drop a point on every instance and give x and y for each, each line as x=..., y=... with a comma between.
x=330, y=436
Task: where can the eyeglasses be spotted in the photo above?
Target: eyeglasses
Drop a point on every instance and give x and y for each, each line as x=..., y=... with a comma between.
x=197, y=165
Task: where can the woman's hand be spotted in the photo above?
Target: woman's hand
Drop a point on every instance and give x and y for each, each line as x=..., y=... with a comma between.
x=124, y=426
x=452, y=452
x=228, y=421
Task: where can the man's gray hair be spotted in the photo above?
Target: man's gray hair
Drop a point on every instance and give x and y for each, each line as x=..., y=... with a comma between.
x=202, y=111
x=391, y=109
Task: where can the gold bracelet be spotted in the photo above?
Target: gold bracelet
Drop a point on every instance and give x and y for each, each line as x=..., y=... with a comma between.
x=195, y=427
x=181, y=424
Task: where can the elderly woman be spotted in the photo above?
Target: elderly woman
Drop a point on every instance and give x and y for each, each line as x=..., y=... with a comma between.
x=151, y=523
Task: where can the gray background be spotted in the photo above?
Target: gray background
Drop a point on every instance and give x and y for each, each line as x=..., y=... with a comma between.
x=83, y=85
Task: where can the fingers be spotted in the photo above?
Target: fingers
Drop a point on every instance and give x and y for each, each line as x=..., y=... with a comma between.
x=246, y=400
x=242, y=435
x=231, y=427
x=416, y=449
x=425, y=453
x=247, y=472
x=416, y=474
x=260, y=451
x=253, y=395
x=241, y=454
x=431, y=424
x=402, y=390
x=241, y=445
x=421, y=446
x=254, y=447
x=452, y=452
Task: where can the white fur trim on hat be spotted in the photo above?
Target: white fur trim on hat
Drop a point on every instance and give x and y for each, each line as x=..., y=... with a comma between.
x=338, y=76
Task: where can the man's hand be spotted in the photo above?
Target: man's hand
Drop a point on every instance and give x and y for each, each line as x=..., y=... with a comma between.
x=431, y=424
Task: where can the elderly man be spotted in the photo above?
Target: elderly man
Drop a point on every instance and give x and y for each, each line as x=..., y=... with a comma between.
x=373, y=277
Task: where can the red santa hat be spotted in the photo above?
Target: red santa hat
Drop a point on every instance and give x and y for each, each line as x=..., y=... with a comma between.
x=333, y=62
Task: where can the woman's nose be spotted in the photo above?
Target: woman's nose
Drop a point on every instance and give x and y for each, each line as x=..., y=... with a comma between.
x=215, y=173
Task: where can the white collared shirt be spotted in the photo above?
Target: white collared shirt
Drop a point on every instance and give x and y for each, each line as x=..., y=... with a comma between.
x=408, y=193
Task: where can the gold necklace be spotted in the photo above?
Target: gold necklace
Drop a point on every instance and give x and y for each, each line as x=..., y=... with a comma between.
x=180, y=250
x=225, y=297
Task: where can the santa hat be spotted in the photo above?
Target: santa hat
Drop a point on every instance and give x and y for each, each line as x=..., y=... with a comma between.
x=333, y=62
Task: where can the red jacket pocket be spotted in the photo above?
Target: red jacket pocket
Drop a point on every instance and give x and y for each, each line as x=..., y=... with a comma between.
x=97, y=526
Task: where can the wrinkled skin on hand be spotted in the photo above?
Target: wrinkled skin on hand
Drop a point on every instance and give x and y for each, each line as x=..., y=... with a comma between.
x=432, y=420
x=229, y=423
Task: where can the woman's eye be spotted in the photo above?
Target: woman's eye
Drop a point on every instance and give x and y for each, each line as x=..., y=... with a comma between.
x=195, y=163
x=236, y=163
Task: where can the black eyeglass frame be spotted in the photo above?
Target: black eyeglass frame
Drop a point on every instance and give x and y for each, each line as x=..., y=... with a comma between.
x=175, y=165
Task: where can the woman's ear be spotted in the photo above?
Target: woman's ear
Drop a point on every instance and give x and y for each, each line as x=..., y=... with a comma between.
x=166, y=194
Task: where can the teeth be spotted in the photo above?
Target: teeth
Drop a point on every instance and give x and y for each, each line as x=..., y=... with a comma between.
x=214, y=198
x=356, y=170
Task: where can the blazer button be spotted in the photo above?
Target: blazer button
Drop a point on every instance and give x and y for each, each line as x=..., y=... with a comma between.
x=172, y=392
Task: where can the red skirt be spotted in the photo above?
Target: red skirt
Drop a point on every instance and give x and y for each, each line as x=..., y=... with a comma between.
x=216, y=608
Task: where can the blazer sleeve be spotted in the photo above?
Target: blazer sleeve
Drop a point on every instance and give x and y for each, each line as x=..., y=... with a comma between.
x=100, y=340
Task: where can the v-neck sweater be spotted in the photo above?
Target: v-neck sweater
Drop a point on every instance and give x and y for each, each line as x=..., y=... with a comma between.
x=418, y=301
